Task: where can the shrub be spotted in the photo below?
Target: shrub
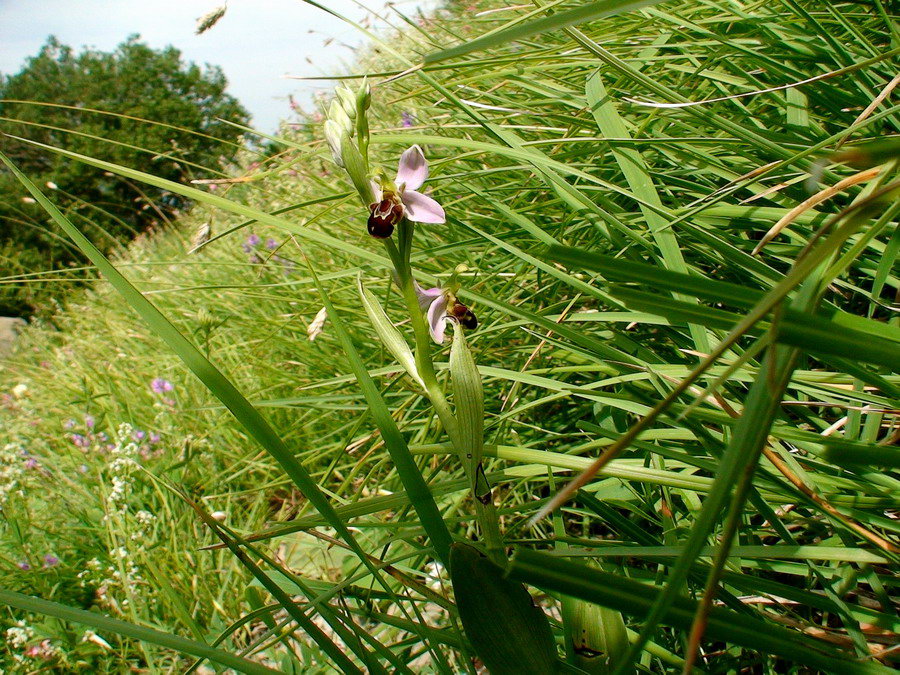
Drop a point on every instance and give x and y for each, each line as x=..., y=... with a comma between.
x=99, y=104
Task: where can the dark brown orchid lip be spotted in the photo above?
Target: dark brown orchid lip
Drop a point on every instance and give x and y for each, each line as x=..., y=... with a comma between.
x=464, y=315
x=384, y=215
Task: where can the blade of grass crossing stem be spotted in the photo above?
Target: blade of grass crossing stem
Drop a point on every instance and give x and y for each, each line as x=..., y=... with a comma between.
x=407, y=469
x=634, y=598
x=100, y=622
x=586, y=12
x=638, y=178
x=219, y=385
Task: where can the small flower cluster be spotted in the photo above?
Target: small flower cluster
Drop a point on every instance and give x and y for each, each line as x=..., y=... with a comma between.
x=110, y=580
x=116, y=577
x=12, y=470
x=86, y=438
x=120, y=469
x=19, y=635
x=50, y=560
x=161, y=387
x=254, y=245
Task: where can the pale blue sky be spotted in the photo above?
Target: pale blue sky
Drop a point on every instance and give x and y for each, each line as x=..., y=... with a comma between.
x=257, y=42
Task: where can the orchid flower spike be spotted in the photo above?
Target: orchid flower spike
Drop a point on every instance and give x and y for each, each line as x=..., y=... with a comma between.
x=440, y=306
x=400, y=199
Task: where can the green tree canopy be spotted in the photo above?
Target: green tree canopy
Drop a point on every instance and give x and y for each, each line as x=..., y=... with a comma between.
x=136, y=106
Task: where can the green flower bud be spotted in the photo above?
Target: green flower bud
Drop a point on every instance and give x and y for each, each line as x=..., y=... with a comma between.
x=334, y=134
x=336, y=114
x=347, y=99
x=364, y=96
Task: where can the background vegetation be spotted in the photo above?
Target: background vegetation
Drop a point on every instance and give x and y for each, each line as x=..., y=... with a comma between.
x=533, y=144
x=135, y=106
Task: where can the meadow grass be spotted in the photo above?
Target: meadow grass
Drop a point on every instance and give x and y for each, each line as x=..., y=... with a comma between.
x=607, y=232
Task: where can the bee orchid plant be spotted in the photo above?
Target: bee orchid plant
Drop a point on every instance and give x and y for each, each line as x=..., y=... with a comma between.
x=394, y=207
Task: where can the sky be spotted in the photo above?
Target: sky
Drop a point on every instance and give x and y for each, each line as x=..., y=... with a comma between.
x=256, y=43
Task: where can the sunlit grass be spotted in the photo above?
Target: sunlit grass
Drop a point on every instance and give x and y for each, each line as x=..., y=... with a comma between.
x=533, y=143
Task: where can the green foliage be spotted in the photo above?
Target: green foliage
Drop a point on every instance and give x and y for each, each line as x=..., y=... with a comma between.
x=135, y=106
x=738, y=412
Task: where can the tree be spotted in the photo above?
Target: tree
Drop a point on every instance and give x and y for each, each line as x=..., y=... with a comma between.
x=135, y=106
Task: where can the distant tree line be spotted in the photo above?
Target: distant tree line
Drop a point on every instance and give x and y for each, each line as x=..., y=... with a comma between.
x=135, y=106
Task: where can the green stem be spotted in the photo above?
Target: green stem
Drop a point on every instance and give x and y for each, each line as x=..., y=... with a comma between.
x=485, y=511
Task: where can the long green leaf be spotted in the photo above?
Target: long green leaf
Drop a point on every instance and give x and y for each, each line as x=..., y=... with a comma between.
x=635, y=599
x=416, y=487
x=105, y=623
x=587, y=12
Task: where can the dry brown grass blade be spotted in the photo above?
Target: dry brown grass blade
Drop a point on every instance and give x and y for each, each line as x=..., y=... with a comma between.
x=877, y=540
x=874, y=104
x=813, y=201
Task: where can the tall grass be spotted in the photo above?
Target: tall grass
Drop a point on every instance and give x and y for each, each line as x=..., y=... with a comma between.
x=606, y=184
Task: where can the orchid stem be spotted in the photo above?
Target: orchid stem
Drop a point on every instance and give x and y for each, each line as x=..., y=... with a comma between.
x=485, y=511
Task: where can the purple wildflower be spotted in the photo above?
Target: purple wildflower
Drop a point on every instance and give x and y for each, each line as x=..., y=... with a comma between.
x=80, y=441
x=23, y=565
x=155, y=438
x=89, y=421
x=69, y=424
x=139, y=435
x=160, y=385
x=253, y=239
x=271, y=244
x=31, y=463
x=50, y=560
x=406, y=119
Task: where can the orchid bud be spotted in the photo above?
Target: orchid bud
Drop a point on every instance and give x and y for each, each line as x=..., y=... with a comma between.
x=364, y=96
x=333, y=134
x=347, y=99
x=337, y=114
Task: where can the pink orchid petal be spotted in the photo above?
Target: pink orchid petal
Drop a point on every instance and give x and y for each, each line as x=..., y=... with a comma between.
x=426, y=296
x=376, y=191
x=437, y=318
x=422, y=208
x=413, y=169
